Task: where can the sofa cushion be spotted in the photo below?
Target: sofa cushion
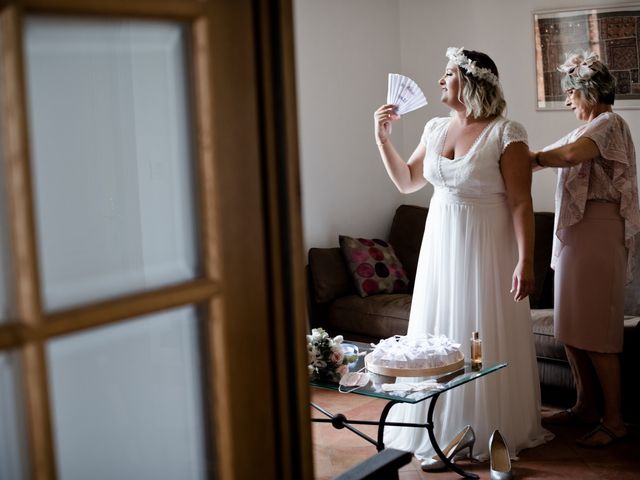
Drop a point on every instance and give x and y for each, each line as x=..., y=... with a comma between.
x=329, y=275
x=374, y=266
x=547, y=346
x=406, y=234
x=376, y=317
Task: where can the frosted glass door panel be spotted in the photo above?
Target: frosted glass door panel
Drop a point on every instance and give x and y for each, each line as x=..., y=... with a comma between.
x=127, y=400
x=13, y=444
x=112, y=156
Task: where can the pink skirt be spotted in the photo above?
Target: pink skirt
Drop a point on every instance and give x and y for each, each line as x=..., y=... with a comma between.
x=589, y=281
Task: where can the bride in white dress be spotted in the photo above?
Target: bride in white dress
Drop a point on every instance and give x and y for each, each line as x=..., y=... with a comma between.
x=476, y=262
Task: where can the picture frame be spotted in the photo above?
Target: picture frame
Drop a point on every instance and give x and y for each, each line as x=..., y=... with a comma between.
x=613, y=32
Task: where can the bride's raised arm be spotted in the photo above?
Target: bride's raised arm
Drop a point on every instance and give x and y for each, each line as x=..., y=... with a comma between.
x=406, y=176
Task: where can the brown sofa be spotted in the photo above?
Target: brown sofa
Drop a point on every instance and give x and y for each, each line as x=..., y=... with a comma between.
x=335, y=305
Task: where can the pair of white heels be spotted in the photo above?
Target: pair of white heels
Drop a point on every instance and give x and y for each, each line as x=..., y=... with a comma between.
x=465, y=439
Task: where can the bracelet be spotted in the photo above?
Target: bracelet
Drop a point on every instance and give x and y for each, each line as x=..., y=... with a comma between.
x=538, y=159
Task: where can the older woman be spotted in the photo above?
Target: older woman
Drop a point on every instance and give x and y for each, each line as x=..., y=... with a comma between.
x=597, y=217
x=477, y=246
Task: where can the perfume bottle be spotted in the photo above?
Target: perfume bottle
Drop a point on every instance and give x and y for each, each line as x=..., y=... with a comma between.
x=476, y=351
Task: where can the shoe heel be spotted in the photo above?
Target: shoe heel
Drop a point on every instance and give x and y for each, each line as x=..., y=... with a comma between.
x=465, y=438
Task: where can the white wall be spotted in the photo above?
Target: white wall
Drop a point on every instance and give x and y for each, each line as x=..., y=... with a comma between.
x=501, y=28
x=344, y=50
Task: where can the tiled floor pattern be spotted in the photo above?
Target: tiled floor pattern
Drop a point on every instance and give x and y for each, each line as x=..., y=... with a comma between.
x=337, y=450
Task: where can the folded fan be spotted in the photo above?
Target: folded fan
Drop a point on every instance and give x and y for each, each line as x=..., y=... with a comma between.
x=405, y=93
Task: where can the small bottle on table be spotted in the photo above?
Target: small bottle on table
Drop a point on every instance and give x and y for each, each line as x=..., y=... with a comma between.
x=476, y=351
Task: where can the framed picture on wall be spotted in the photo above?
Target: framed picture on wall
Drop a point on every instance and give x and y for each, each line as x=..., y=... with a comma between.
x=612, y=32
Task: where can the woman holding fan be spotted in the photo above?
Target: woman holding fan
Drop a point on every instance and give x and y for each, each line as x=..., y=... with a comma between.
x=476, y=261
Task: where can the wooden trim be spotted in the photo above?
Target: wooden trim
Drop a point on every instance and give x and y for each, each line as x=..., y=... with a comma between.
x=298, y=373
x=15, y=143
x=36, y=385
x=177, y=9
x=213, y=316
x=242, y=370
x=203, y=115
x=14, y=335
x=25, y=261
x=268, y=63
x=286, y=281
x=111, y=311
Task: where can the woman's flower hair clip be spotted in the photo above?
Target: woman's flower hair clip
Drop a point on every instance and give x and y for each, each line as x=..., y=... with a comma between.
x=582, y=65
x=457, y=56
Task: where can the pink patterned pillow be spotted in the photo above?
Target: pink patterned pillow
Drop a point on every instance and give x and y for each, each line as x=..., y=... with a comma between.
x=374, y=266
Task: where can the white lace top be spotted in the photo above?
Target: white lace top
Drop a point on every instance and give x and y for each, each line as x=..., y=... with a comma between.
x=476, y=173
x=610, y=177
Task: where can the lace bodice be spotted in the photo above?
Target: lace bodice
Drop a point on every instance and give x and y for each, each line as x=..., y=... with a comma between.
x=477, y=172
x=610, y=177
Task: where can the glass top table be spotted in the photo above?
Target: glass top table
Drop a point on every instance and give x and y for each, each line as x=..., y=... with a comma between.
x=444, y=382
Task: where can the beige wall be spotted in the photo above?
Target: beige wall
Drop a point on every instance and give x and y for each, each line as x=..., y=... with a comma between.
x=345, y=49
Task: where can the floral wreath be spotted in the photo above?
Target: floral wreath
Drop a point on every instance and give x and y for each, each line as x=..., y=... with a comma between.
x=583, y=65
x=457, y=56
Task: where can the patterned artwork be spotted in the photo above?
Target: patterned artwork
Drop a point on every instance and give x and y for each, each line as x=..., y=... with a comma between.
x=613, y=33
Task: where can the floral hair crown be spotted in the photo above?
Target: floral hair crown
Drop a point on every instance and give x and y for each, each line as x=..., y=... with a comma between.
x=457, y=56
x=582, y=65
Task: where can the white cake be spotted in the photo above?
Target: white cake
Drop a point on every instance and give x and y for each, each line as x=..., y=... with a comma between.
x=410, y=356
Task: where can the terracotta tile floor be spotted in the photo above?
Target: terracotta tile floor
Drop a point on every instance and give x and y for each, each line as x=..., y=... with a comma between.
x=337, y=450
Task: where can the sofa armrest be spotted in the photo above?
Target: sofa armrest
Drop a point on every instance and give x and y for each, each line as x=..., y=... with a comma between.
x=405, y=237
x=330, y=277
x=543, y=295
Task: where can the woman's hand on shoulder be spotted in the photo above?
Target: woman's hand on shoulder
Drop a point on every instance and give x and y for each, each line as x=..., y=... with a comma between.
x=523, y=282
x=383, y=117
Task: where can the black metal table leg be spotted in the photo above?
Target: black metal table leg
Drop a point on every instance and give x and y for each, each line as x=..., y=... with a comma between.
x=383, y=418
x=340, y=421
x=436, y=447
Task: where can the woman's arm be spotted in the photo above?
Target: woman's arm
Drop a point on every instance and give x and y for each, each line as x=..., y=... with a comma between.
x=568, y=155
x=533, y=160
x=516, y=172
x=407, y=177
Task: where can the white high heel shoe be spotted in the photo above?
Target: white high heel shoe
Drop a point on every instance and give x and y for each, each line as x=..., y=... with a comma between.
x=499, y=456
x=466, y=438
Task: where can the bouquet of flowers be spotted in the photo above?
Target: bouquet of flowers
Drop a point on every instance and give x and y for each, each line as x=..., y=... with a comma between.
x=327, y=360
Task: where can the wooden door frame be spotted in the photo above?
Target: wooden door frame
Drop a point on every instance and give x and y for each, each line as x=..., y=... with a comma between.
x=252, y=288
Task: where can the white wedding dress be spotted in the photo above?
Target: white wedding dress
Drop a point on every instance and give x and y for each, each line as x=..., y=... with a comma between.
x=467, y=259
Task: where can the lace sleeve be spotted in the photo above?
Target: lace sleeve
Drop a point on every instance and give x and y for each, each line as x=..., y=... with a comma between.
x=428, y=131
x=513, y=132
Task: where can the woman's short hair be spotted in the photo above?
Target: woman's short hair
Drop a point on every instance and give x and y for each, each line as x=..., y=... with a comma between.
x=481, y=97
x=583, y=71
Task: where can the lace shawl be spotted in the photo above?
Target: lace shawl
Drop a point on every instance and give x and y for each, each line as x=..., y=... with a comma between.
x=611, y=134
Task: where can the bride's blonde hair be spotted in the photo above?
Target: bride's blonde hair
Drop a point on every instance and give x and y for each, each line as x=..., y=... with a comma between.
x=481, y=94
